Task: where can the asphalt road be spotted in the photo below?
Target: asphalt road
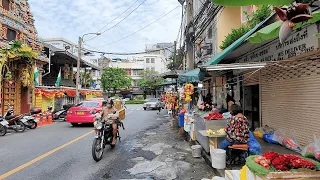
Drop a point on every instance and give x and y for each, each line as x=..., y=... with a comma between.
x=60, y=151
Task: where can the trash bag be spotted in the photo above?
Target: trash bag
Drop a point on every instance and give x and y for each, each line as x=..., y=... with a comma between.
x=258, y=132
x=279, y=136
x=254, y=146
x=269, y=138
x=316, y=148
x=308, y=151
x=292, y=143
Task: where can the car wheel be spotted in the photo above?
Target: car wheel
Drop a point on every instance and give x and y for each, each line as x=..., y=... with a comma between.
x=74, y=124
x=145, y=108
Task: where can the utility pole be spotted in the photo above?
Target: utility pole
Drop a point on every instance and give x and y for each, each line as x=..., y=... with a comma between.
x=78, y=71
x=189, y=36
x=175, y=55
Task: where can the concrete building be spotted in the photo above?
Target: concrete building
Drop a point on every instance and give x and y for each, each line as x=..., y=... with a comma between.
x=157, y=57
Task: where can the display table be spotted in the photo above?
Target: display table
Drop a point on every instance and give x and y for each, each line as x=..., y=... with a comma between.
x=214, y=140
x=203, y=125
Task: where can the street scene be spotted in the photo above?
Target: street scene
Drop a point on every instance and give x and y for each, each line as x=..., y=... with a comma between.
x=159, y=90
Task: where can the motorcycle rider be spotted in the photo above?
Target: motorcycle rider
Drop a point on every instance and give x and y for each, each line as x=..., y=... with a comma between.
x=109, y=109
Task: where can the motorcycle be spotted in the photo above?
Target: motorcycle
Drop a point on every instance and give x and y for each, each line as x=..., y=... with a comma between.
x=15, y=122
x=104, y=131
x=30, y=119
x=3, y=126
x=62, y=114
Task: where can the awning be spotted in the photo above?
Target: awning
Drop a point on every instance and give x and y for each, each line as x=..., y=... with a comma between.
x=192, y=76
x=235, y=66
x=272, y=31
x=168, y=83
x=251, y=2
x=174, y=74
x=218, y=57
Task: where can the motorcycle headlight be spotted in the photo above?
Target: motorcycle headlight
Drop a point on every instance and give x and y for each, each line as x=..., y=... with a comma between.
x=98, y=125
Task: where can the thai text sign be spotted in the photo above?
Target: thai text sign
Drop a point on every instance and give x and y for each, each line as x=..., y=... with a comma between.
x=297, y=43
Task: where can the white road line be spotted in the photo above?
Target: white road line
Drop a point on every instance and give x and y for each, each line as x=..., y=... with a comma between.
x=129, y=112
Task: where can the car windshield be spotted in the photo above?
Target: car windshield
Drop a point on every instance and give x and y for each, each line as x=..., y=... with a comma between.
x=153, y=100
x=88, y=104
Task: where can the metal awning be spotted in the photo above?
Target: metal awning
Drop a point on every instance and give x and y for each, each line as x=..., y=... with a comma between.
x=60, y=56
x=235, y=66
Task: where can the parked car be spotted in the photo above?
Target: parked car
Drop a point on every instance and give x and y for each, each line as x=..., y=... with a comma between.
x=153, y=103
x=84, y=112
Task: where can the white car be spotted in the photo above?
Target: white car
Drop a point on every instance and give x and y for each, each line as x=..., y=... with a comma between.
x=153, y=103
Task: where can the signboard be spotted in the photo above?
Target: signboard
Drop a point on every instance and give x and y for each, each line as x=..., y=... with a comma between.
x=297, y=43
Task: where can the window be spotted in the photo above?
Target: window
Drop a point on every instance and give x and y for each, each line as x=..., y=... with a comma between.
x=152, y=60
x=55, y=44
x=152, y=69
x=210, y=33
x=11, y=35
x=6, y=4
x=148, y=60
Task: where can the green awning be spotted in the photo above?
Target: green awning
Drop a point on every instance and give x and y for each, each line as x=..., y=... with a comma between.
x=168, y=83
x=218, y=57
x=251, y=2
x=272, y=31
x=195, y=75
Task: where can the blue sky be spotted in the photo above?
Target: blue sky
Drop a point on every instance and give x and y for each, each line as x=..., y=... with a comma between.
x=73, y=18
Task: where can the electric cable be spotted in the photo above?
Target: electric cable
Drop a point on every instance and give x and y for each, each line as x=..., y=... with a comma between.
x=120, y=20
x=141, y=28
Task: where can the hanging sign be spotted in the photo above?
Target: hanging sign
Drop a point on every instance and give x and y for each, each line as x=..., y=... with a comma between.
x=297, y=43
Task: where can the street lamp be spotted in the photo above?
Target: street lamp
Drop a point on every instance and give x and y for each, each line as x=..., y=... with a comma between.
x=80, y=41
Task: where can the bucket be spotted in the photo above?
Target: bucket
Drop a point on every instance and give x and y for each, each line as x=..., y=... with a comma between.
x=196, y=151
x=181, y=120
x=218, y=158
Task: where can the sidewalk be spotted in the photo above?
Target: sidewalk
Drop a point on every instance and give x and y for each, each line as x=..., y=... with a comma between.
x=160, y=153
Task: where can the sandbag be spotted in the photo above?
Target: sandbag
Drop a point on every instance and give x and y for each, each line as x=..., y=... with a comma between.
x=254, y=146
x=269, y=139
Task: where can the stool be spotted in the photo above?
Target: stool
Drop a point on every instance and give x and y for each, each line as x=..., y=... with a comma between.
x=237, y=154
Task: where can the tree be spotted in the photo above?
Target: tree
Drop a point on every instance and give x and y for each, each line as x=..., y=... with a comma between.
x=115, y=79
x=149, y=80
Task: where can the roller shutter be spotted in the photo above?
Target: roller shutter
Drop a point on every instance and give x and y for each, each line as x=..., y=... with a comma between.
x=290, y=98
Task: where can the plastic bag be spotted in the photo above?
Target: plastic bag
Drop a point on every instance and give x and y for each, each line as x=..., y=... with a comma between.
x=258, y=132
x=269, y=138
x=278, y=136
x=308, y=151
x=292, y=143
x=268, y=130
x=316, y=148
x=254, y=146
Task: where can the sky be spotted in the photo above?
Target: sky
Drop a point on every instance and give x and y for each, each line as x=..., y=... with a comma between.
x=73, y=18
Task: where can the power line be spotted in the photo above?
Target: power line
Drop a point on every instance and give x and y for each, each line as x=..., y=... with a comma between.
x=120, y=20
x=141, y=28
x=128, y=53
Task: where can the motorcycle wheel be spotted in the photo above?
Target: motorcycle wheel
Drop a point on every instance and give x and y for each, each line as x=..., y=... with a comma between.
x=3, y=130
x=22, y=127
x=32, y=124
x=97, y=151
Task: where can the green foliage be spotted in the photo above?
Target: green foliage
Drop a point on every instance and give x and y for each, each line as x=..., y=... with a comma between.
x=115, y=79
x=233, y=36
x=149, y=80
x=140, y=97
x=171, y=64
x=255, y=18
x=135, y=102
x=258, y=16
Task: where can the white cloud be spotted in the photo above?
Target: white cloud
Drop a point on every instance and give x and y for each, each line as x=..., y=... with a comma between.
x=72, y=18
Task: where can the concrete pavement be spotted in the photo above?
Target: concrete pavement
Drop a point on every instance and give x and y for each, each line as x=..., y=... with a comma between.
x=60, y=151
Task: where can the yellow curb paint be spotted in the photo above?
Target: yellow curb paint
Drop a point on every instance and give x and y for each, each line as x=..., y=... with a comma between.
x=9, y=173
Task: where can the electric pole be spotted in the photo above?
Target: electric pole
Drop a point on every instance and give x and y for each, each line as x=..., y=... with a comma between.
x=78, y=71
x=189, y=36
x=175, y=55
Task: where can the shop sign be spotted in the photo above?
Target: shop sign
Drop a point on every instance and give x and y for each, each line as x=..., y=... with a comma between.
x=297, y=43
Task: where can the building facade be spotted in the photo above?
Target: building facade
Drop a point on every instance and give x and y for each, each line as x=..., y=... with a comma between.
x=17, y=24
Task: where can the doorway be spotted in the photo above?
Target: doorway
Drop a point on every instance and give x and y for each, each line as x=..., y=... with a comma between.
x=252, y=105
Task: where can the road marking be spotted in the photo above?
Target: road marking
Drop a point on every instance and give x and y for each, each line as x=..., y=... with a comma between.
x=9, y=173
x=129, y=112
